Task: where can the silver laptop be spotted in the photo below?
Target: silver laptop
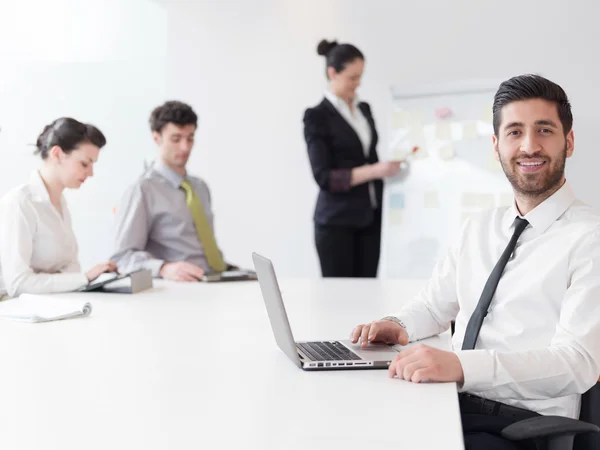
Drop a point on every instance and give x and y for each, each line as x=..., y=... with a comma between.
x=314, y=355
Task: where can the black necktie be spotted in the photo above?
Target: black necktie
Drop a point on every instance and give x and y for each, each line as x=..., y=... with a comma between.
x=491, y=284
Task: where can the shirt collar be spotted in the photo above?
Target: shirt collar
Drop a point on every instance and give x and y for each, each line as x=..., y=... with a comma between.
x=546, y=213
x=38, y=188
x=169, y=174
x=338, y=102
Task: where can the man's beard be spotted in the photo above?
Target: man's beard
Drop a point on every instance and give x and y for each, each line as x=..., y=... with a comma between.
x=535, y=184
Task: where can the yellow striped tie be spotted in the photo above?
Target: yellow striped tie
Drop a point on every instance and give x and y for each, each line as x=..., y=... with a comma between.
x=203, y=228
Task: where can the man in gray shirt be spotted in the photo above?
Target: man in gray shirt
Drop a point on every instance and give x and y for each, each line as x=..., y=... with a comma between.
x=157, y=227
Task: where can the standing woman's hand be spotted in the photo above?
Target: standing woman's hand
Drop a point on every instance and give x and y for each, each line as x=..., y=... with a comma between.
x=386, y=169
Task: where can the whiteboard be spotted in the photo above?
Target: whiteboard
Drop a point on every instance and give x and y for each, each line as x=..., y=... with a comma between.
x=444, y=133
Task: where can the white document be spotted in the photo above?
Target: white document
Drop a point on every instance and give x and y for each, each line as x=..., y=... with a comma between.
x=43, y=308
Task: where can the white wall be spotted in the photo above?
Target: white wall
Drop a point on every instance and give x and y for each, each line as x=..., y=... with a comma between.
x=101, y=65
x=250, y=69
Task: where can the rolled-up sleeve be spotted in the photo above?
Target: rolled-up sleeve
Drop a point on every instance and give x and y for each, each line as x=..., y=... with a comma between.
x=328, y=178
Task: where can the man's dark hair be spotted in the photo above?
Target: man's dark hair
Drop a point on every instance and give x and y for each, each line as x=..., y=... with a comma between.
x=68, y=134
x=174, y=112
x=525, y=87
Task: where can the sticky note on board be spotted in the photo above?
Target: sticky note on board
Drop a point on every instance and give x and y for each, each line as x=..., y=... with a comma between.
x=443, y=113
x=398, y=154
x=397, y=201
x=475, y=200
x=416, y=135
x=431, y=199
x=396, y=216
x=416, y=118
x=493, y=165
x=400, y=119
x=506, y=200
x=469, y=130
x=403, y=153
x=443, y=131
x=487, y=114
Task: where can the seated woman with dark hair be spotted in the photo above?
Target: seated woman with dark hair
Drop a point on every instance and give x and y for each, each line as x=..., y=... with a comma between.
x=38, y=249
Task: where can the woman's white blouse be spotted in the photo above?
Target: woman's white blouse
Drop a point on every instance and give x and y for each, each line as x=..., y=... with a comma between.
x=38, y=250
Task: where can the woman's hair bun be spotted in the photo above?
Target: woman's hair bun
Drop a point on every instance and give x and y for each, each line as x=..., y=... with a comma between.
x=42, y=140
x=325, y=47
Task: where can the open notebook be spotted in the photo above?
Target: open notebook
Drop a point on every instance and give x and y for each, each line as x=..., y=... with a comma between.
x=43, y=308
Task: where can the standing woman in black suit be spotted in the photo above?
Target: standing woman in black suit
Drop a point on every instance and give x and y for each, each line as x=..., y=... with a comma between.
x=341, y=139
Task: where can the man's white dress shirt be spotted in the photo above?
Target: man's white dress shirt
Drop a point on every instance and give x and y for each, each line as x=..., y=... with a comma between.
x=539, y=345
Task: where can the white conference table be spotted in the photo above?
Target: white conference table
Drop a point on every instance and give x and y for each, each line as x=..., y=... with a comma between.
x=195, y=366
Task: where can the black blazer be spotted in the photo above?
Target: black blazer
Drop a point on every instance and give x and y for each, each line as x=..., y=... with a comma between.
x=334, y=150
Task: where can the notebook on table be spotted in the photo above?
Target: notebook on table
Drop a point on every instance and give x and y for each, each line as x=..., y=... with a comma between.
x=43, y=308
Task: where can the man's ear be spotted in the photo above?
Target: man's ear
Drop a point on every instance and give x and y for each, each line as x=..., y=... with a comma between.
x=495, y=145
x=570, y=143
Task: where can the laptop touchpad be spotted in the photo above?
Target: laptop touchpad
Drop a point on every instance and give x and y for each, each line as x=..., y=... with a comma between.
x=374, y=352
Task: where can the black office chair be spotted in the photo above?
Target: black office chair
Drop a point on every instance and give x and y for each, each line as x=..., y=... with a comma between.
x=563, y=433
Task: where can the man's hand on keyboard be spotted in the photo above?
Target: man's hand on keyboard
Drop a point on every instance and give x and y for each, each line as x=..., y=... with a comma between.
x=425, y=363
x=385, y=331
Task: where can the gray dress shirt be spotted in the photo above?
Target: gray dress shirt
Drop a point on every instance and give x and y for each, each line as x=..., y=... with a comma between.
x=154, y=224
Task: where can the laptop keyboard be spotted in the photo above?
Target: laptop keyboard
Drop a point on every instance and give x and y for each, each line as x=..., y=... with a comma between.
x=327, y=351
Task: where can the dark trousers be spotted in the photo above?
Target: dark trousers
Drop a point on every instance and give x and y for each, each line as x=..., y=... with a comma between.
x=482, y=432
x=349, y=252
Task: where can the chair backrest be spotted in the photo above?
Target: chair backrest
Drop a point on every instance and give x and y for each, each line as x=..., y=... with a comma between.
x=590, y=412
